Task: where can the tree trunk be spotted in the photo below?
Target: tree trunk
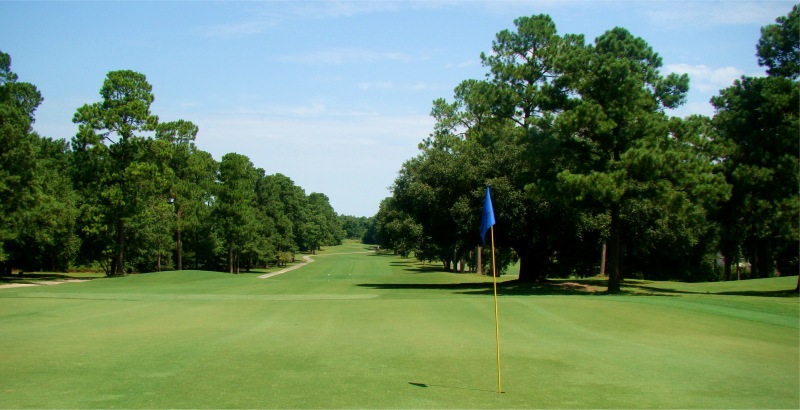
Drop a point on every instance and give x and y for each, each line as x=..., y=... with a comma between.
x=120, y=257
x=230, y=257
x=178, y=244
x=738, y=271
x=603, y=260
x=727, y=269
x=479, y=266
x=762, y=264
x=755, y=265
x=614, y=251
x=528, y=271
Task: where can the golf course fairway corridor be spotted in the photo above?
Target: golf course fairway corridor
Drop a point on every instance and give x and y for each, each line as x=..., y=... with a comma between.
x=372, y=330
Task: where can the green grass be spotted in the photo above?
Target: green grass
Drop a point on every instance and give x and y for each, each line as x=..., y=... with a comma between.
x=376, y=331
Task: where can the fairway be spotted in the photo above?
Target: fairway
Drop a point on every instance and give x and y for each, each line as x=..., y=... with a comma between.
x=370, y=330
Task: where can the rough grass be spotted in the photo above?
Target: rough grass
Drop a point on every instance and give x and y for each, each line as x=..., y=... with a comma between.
x=376, y=331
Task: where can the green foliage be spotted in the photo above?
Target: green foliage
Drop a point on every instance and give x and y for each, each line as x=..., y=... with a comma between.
x=113, y=167
x=275, y=197
x=618, y=119
x=194, y=197
x=371, y=233
x=190, y=175
x=234, y=212
x=397, y=230
x=37, y=212
x=46, y=237
x=136, y=195
x=570, y=136
x=287, y=206
x=757, y=120
x=355, y=227
x=573, y=137
x=323, y=227
x=779, y=46
x=497, y=131
x=580, y=152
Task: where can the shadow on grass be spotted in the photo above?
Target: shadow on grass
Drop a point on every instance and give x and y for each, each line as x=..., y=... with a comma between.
x=389, y=254
x=588, y=286
x=655, y=290
x=420, y=269
x=425, y=386
x=37, y=277
x=506, y=288
x=410, y=265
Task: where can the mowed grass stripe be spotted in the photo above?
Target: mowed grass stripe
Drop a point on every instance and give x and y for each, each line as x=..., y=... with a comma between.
x=605, y=353
x=198, y=297
x=377, y=331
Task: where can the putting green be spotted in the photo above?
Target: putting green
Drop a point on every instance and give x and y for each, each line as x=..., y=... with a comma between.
x=376, y=331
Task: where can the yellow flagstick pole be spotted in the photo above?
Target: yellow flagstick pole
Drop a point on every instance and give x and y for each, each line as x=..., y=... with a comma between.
x=496, y=316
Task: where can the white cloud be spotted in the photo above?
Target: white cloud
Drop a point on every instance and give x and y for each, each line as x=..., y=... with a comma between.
x=693, y=108
x=713, y=13
x=315, y=109
x=371, y=85
x=705, y=78
x=463, y=64
x=344, y=56
x=260, y=16
x=332, y=9
x=391, y=85
x=238, y=29
x=311, y=109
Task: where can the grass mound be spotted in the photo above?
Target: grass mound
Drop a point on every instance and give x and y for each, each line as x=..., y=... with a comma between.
x=371, y=330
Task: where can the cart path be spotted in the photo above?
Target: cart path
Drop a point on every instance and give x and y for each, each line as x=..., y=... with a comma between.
x=307, y=259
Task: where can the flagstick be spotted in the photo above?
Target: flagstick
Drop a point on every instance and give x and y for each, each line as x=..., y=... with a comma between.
x=496, y=317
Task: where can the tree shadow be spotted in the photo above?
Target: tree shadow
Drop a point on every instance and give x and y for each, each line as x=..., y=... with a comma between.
x=386, y=254
x=587, y=286
x=505, y=288
x=35, y=277
x=654, y=290
x=764, y=293
x=413, y=266
x=421, y=269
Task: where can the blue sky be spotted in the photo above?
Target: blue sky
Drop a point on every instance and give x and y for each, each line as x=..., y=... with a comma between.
x=335, y=94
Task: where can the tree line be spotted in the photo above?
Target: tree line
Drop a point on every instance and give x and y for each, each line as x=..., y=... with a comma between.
x=131, y=193
x=590, y=173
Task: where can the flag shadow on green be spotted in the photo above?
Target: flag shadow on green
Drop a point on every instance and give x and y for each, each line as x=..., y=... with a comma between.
x=425, y=386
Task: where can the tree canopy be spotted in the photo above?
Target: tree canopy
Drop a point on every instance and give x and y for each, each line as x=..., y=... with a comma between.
x=589, y=171
x=583, y=158
x=757, y=121
x=130, y=193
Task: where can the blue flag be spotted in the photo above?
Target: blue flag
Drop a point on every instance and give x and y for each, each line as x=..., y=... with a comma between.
x=487, y=221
